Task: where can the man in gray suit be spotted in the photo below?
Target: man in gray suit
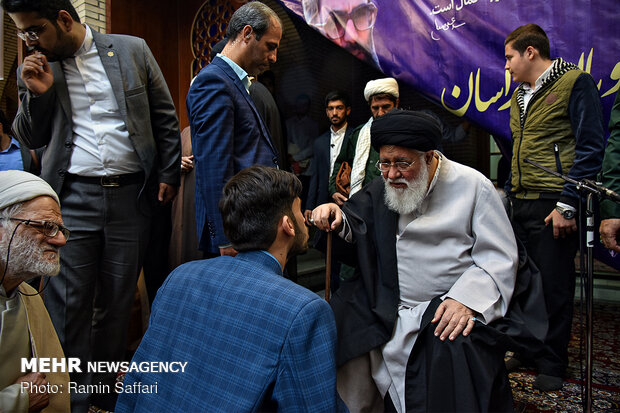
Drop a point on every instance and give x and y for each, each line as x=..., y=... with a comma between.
x=101, y=105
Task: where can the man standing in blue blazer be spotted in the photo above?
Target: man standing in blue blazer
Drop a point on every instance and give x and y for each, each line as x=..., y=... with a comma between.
x=227, y=131
x=239, y=336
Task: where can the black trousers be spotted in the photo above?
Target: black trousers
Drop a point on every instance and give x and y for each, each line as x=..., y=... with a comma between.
x=555, y=258
x=89, y=302
x=464, y=375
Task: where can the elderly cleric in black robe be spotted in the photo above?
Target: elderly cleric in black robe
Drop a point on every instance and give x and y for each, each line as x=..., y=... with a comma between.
x=436, y=259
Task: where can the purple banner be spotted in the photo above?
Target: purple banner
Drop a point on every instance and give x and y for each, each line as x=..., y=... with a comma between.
x=453, y=50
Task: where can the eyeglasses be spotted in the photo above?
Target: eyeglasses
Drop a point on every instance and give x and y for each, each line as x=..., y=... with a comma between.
x=32, y=34
x=362, y=16
x=401, y=166
x=47, y=228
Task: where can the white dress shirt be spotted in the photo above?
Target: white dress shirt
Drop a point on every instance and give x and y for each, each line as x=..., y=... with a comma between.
x=528, y=91
x=242, y=74
x=102, y=144
x=336, y=140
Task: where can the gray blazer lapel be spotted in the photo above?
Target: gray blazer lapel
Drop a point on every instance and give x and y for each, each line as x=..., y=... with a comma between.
x=60, y=84
x=112, y=67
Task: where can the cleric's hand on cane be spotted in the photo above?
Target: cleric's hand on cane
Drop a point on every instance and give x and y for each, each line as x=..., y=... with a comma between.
x=327, y=217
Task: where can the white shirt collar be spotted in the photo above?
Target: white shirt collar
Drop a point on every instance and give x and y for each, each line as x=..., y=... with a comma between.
x=242, y=74
x=340, y=131
x=86, y=44
x=541, y=79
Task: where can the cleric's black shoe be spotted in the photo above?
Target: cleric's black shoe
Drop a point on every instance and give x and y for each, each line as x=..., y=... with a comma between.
x=513, y=364
x=544, y=382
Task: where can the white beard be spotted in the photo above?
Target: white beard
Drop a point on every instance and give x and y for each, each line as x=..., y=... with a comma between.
x=27, y=259
x=406, y=200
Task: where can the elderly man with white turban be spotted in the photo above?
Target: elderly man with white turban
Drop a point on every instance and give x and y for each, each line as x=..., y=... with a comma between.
x=31, y=233
x=382, y=96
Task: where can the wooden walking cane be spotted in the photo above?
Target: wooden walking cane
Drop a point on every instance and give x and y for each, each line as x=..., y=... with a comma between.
x=328, y=265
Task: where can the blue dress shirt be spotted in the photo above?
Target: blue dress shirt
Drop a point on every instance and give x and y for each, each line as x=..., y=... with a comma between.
x=11, y=157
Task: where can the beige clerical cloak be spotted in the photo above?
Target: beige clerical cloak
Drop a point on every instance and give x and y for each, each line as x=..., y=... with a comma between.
x=27, y=331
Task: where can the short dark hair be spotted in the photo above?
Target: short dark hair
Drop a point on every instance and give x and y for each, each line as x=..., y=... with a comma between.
x=529, y=35
x=337, y=95
x=388, y=96
x=255, y=14
x=217, y=48
x=252, y=204
x=6, y=126
x=47, y=9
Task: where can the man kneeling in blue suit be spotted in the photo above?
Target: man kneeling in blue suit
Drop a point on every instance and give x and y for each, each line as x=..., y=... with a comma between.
x=252, y=340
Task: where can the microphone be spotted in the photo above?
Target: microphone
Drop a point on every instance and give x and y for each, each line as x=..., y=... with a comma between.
x=603, y=191
x=586, y=184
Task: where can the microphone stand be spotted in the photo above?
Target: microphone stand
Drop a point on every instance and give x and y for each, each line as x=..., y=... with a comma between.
x=591, y=188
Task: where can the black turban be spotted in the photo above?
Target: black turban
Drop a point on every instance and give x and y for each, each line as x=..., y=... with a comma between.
x=410, y=129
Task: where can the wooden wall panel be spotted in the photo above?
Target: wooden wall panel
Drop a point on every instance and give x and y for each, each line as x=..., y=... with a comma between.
x=187, y=10
x=156, y=21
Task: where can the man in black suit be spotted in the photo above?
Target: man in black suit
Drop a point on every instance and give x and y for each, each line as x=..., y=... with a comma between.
x=326, y=149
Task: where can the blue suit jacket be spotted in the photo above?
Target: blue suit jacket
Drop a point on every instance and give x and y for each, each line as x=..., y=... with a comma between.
x=252, y=340
x=318, y=192
x=228, y=135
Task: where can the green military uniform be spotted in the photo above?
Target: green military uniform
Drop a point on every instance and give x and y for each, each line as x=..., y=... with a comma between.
x=611, y=162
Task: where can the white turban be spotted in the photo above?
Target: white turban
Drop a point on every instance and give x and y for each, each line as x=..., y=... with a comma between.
x=19, y=186
x=387, y=85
